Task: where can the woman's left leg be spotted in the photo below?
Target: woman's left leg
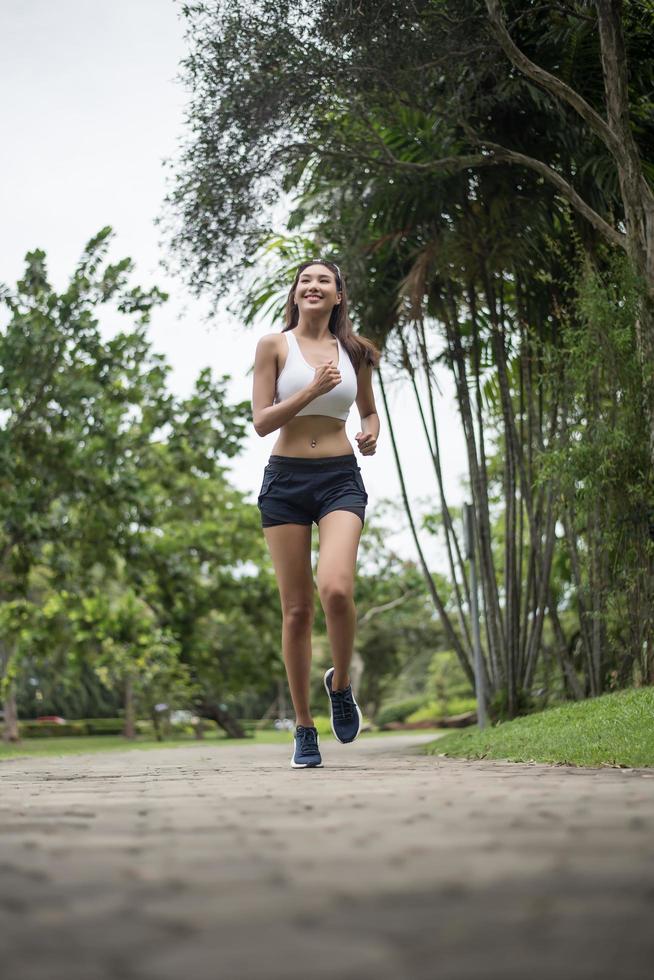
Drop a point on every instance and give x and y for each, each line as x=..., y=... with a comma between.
x=339, y=533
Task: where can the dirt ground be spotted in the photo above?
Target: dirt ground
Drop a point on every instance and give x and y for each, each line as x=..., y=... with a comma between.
x=212, y=861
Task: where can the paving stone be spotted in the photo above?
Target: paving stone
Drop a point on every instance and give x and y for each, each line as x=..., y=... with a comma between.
x=218, y=861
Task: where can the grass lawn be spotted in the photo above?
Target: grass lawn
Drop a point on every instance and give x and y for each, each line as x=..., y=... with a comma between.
x=75, y=744
x=613, y=730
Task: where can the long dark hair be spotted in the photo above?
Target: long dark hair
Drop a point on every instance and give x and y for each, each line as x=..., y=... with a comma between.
x=358, y=348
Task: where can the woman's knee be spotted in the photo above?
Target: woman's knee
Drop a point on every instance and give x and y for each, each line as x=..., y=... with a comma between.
x=336, y=597
x=298, y=613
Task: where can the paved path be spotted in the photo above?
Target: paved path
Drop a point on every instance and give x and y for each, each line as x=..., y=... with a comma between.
x=221, y=862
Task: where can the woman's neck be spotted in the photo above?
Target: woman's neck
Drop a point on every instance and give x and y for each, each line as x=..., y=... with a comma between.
x=315, y=327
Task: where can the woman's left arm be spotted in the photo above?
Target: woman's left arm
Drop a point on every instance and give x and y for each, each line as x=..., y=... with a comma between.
x=367, y=437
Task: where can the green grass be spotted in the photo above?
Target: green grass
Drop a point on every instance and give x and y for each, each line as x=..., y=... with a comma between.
x=77, y=744
x=613, y=730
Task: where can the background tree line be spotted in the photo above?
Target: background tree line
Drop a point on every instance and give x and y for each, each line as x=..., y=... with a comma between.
x=483, y=171
x=132, y=573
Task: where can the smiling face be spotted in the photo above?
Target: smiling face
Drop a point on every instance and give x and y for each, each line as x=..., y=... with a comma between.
x=316, y=289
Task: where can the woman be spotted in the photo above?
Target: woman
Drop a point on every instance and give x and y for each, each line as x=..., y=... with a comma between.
x=305, y=380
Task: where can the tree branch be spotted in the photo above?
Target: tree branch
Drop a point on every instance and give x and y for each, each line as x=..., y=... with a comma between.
x=551, y=83
x=616, y=88
x=388, y=605
x=503, y=155
x=454, y=164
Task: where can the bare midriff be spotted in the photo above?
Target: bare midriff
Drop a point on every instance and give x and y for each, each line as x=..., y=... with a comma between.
x=313, y=436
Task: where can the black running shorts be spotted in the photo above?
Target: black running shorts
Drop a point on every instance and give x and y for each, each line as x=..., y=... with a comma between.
x=299, y=490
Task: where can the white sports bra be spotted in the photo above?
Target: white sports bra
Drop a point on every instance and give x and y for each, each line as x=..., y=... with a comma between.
x=297, y=374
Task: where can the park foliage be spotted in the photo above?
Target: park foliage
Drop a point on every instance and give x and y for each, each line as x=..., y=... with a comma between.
x=483, y=171
x=611, y=730
x=483, y=174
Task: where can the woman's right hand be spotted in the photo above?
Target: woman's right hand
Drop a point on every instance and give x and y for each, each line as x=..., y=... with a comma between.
x=325, y=378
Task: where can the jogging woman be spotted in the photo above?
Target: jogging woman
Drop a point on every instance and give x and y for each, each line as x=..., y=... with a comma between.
x=305, y=379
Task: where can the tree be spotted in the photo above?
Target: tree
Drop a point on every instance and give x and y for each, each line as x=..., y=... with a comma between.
x=67, y=400
x=439, y=176
x=112, y=487
x=633, y=228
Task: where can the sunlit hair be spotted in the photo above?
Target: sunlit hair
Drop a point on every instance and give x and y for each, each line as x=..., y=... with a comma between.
x=359, y=348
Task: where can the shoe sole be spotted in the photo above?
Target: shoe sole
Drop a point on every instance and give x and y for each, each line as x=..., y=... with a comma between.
x=331, y=713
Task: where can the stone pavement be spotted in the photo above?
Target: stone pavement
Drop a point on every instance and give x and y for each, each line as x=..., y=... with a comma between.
x=211, y=861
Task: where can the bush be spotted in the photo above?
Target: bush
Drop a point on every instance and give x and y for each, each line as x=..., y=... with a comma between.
x=498, y=706
x=116, y=726
x=86, y=726
x=401, y=710
x=180, y=728
x=105, y=726
x=44, y=729
x=323, y=724
x=439, y=709
x=446, y=679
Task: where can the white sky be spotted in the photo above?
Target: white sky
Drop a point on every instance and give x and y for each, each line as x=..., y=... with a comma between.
x=91, y=109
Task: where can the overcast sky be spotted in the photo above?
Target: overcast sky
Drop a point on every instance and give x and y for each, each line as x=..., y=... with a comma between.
x=91, y=109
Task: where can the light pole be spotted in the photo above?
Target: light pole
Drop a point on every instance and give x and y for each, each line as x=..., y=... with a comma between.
x=469, y=535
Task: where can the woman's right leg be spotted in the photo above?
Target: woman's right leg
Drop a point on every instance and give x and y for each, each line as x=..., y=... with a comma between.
x=290, y=550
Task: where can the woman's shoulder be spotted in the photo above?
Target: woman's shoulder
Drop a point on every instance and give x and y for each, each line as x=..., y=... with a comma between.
x=270, y=343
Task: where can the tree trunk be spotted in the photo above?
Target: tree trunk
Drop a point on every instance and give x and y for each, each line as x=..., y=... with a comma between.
x=10, y=731
x=637, y=196
x=453, y=639
x=616, y=133
x=129, y=730
x=479, y=487
x=542, y=591
x=356, y=670
x=561, y=650
x=156, y=724
x=447, y=517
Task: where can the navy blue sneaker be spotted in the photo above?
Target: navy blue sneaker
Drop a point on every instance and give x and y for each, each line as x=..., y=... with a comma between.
x=306, y=753
x=346, y=714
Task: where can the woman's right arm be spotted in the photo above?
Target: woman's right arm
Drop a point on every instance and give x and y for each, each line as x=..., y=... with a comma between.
x=268, y=417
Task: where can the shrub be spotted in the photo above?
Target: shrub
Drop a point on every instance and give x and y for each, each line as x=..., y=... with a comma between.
x=43, y=729
x=446, y=680
x=180, y=728
x=401, y=710
x=84, y=726
x=105, y=726
x=439, y=709
x=323, y=724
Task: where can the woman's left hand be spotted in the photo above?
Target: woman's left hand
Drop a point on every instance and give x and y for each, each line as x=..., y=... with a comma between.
x=367, y=443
